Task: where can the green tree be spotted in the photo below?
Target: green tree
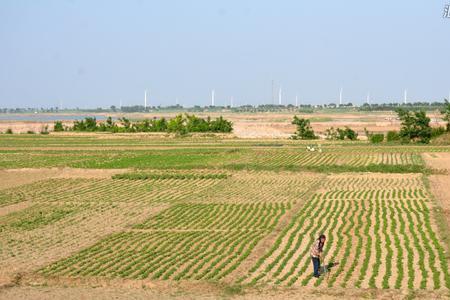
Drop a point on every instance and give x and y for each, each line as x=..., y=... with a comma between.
x=415, y=126
x=446, y=112
x=177, y=125
x=159, y=125
x=126, y=124
x=195, y=124
x=220, y=125
x=58, y=126
x=304, y=130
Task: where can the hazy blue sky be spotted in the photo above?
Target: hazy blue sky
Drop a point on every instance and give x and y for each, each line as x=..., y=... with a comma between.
x=96, y=53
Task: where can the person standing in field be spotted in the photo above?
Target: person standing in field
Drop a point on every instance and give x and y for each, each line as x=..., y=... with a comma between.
x=316, y=253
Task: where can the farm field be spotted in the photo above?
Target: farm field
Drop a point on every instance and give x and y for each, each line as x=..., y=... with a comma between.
x=149, y=216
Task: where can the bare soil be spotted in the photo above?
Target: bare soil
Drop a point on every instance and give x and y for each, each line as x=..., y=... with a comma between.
x=134, y=289
x=15, y=177
x=440, y=184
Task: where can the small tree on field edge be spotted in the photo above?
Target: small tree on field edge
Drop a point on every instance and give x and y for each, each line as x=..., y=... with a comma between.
x=415, y=126
x=58, y=126
x=304, y=130
x=446, y=112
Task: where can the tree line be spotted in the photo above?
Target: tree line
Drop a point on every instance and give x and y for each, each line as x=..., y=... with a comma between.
x=415, y=127
x=180, y=124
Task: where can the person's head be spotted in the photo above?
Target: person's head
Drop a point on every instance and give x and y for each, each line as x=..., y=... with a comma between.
x=322, y=238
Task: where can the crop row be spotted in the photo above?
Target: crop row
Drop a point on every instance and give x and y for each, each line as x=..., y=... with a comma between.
x=278, y=157
x=190, y=216
x=251, y=187
x=397, y=193
x=164, y=176
x=36, y=216
x=391, y=158
x=106, y=190
x=194, y=255
x=383, y=182
x=377, y=243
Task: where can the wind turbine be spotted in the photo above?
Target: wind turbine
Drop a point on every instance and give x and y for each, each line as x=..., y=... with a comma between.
x=368, y=98
x=231, y=101
x=296, y=100
x=405, y=96
x=212, y=97
x=279, y=96
x=145, y=100
x=340, y=97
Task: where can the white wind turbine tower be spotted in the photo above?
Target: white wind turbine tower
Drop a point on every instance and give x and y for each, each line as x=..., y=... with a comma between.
x=296, y=100
x=212, y=97
x=405, y=97
x=279, y=96
x=145, y=99
x=231, y=101
x=368, y=98
x=340, y=97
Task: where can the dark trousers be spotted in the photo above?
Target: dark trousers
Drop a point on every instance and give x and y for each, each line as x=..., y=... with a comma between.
x=316, y=265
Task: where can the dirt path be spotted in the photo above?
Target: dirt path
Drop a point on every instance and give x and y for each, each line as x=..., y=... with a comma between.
x=440, y=184
x=162, y=290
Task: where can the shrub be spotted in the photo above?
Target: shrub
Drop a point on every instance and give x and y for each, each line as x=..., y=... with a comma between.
x=44, y=130
x=341, y=134
x=304, y=130
x=30, y=132
x=195, y=124
x=126, y=125
x=392, y=136
x=177, y=125
x=331, y=134
x=9, y=131
x=350, y=134
x=221, y=125
x=58, y=126
x=89, y=124
x=376, y=138
x=437, y=131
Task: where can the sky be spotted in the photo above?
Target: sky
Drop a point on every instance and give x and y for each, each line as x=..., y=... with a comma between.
x=102, y=53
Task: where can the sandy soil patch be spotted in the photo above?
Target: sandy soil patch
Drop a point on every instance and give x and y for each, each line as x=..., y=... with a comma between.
x=440, y=184
x=188, y=290
x=13, y=208
x=437, y=160
x=16, y=177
